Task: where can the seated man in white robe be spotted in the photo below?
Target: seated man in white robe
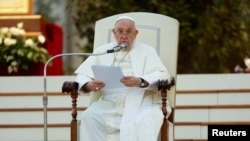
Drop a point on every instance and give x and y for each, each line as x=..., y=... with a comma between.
x=132, y=113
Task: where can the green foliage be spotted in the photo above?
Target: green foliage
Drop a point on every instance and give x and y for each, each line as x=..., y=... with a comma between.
x=44, y=8
x=214, y=34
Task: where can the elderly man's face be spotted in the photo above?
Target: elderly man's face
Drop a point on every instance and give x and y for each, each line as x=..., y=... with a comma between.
x=125, y=31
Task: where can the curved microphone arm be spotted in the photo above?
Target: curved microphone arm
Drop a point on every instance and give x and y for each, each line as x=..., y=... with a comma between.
x=45, y=97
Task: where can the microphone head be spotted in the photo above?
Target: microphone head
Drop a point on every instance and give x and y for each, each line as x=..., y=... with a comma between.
x=118, y=48
x=124, y=45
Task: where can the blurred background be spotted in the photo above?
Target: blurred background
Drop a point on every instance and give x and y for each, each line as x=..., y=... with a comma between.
x=214, y=34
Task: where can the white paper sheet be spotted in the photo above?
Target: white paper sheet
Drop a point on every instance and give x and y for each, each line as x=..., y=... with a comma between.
x=111, y=76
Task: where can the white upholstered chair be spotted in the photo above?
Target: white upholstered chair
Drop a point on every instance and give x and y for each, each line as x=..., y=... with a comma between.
x=159, y=31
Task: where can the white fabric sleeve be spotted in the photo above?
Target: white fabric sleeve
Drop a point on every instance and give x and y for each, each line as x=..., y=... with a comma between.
x=153, y=78
x=82, y=79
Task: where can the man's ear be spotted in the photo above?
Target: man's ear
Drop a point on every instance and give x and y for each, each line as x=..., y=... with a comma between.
x=136, y=31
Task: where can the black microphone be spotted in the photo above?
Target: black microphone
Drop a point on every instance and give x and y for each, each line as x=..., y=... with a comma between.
x=118, y=48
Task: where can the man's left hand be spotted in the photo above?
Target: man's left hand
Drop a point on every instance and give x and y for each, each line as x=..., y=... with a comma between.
x=131, y=81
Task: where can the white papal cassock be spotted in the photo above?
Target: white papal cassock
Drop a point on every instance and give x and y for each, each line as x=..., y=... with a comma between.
x=124, y=114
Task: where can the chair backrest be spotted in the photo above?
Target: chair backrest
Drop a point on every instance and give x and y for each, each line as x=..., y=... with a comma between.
x=159, y=31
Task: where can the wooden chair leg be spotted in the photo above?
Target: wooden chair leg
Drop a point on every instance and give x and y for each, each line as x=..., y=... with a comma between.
x=74, y=119
x=163, y=86
x=72, y=88
x=164, y=130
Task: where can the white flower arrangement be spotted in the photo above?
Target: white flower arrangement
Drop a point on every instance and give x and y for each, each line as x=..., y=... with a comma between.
x=19, y=51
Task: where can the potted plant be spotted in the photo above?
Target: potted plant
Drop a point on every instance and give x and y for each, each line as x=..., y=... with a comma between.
x=19, y=52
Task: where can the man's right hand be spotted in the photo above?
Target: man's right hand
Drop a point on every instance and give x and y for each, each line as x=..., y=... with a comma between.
x=95, y=85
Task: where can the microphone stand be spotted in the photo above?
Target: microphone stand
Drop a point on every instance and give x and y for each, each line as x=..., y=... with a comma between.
x=45, y=97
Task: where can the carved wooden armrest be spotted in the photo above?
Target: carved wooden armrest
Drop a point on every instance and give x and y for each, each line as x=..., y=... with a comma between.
x=70, y=87
x=164, y=86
